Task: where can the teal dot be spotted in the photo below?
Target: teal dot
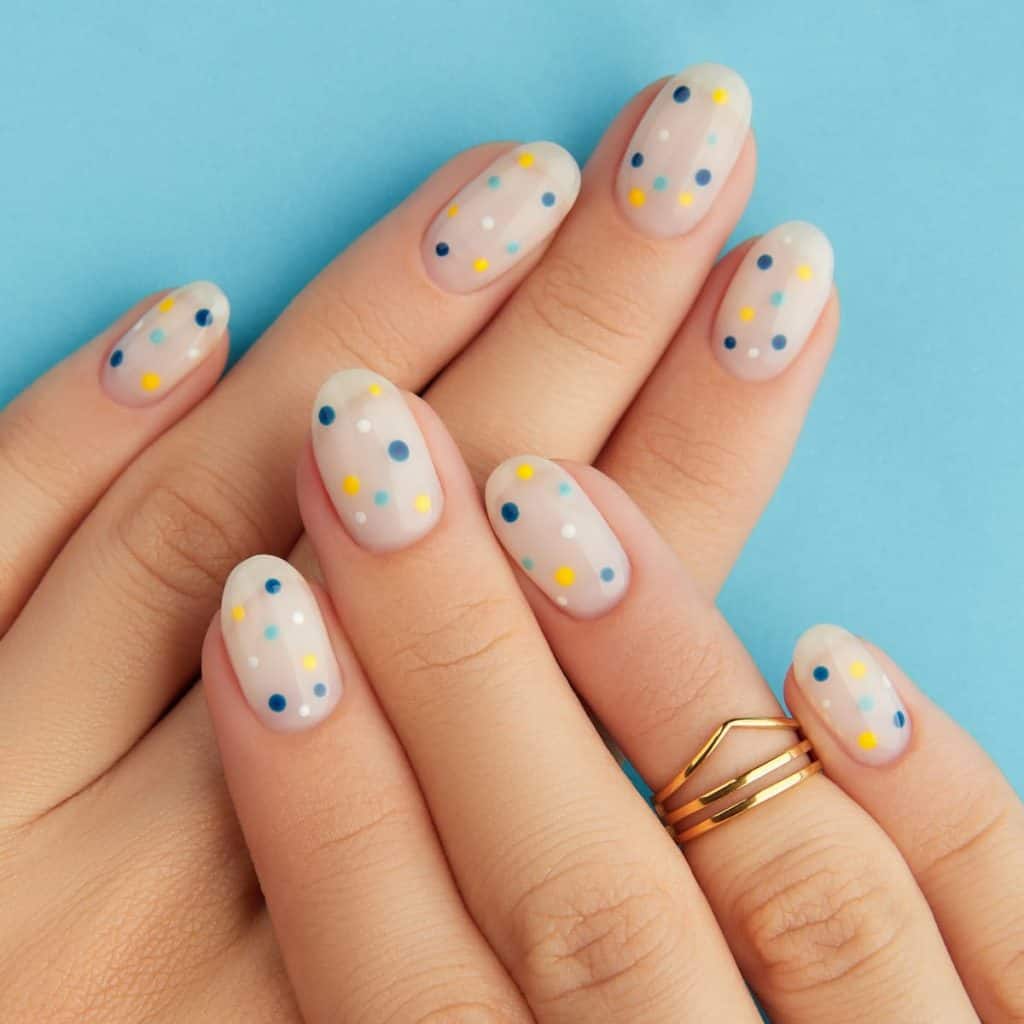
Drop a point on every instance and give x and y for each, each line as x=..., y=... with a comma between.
x=776, y=299
x=493, y=181
x=607, y=574
x=271, y=632
x=866, y=703
x=821, y=674
x=157, y=336
x=660, y=183
x=512, y=247
x=712, y=139
x=380, y=498
x=528, y=564
x=564, y=489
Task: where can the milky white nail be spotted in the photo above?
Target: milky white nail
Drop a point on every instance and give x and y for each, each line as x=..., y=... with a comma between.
x=773, y=301
x=374, y=461
x=683, y=150
x=840, y=676
x=551, y=528
x=166, y=344
x=501, y=216
x=278, y=644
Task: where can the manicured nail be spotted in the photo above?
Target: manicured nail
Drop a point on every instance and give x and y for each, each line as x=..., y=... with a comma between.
x=374, y=462
x=683, y=150
x=845, y=683
x=166, y=344
x=552, y=529
x=773, y=301
x=278, y=644
x=501, y=216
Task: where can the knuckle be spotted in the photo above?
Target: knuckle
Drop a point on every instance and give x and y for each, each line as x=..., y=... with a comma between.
x=36, y=457
x=467, y=1011
x=1005, y=986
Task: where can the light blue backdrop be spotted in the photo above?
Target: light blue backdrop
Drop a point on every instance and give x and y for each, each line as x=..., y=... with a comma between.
x=247, y=141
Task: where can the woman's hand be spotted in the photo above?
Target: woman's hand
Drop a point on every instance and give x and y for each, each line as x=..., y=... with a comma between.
x=132, y=482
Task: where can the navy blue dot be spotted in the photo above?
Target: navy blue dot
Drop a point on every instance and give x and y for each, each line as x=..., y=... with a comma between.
x=779, y=342
x=320, y=690
x=899, y=719
x=398, y=450
x=272, y=586
x=703, y=176
x=637, y=160
x=821, y=674
x=764, y=261
x=607, y=574
x=548, y=199
x=277, y=702
x=730, y=342
x=510, y=511
x=442, y=249
x=326, y=415
x=204, y=317
x=681, y=94
x=116, y=357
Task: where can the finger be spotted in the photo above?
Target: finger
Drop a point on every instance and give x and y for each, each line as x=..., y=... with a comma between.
x=704, y=445
x=561, y=866
x=68, y=436
x=149, y=563
x=565, y=356
x=945, y=805
x=347, y=858
x=818, y=907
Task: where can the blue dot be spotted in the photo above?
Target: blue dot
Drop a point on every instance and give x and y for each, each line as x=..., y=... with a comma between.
x=730, y=342
x=866, y=703
x=564, y=489
x=660, y=183
x=272, y=586
x=512, y=247
x=821, y=674
x=442, y=249
x=899, y=719
x=271, y=632
x=398, y=450
x=277, y=702
x=703, y=176
x=764, y=261
x=116, y=357
x=776, y=299
x=157, y=336
x=607, y=574
x=548, y=199
x=528, y=564
x=204, y=317
x=380, y=498
x=510, y=511
x=493, y=181
x=681, y=94
x=637, y=160
x=320, y=690
x=779, y=342
x=326, y=415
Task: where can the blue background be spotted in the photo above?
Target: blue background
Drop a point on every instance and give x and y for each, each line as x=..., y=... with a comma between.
x=247, y=141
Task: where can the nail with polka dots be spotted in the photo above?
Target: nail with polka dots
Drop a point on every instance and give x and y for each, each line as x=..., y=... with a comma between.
x=773, y=302
x=557, y=537
x=683, y=150
x=374, y=462
x=278, y=644
x=849, y=689
x=168, y=341
x=501, y=216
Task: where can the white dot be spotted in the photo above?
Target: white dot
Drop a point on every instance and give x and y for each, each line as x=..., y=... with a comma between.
x=826, y=704
x=568, y=531
x=487, y=223
x=193, y=353
x=363, y=426
x=138, y=325
x=298, y=618
x=753, y=353
x=788, y=240
x=303, y=711
x=663, y=135
x=561, y=600
x=254, y=662
x=887, y=682
x=360, y=518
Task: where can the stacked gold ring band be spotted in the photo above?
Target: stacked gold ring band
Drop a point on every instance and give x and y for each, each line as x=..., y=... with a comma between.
x=675, y=820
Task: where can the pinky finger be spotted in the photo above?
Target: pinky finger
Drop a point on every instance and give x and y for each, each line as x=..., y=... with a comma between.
x=953, y=815
x=65, y=439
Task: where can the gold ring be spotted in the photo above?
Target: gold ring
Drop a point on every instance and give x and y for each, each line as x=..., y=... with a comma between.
x=674, y=820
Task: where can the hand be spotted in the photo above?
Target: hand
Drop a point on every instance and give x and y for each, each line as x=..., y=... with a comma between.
x=132, y=483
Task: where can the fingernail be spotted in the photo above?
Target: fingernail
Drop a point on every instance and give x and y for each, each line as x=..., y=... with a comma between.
x=374, y=462
x=683, y=150
x=551, y=528
x=278, y=644
x=773, y=301
x=501, y=216
x=166, y=344
x=845, y=683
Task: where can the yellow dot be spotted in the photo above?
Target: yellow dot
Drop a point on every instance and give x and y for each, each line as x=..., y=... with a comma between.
x=309, y=662
x=238, y=613
x=480, y=265
x=564, y=576
x=858, y=670
x=720, y=95
x=804, y=272
x=150, y=381
x=637, y=197
x=166, y=305
x=747, y=314
x=350, y=485
x=453, y=209
x=375, y=390
x=422, y=503
x=525, y=160
x=524, y=471
x=685, y=198
x=867, y=740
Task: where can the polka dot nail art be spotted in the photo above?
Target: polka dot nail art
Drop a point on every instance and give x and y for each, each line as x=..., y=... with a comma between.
x=851, y=692
x=683, y=150
x=166, y=344
x=556, y=536
x=773, y=302
x=278, y=644
x=501, y=216
x=374, y=462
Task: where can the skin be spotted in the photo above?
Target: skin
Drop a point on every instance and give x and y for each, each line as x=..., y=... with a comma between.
x=128, y=889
